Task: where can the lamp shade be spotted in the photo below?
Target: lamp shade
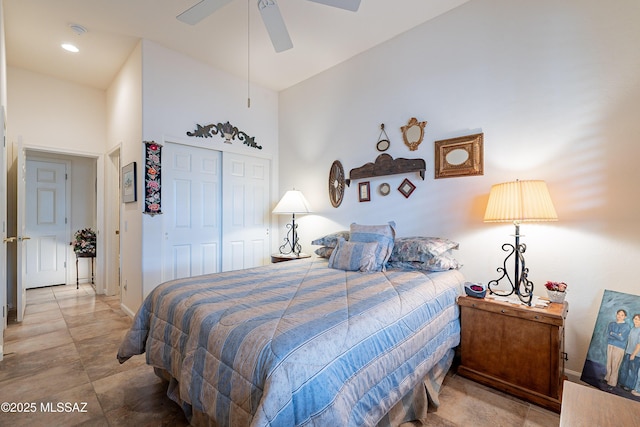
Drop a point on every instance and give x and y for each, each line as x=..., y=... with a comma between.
x=520, y=201
x=293, y=202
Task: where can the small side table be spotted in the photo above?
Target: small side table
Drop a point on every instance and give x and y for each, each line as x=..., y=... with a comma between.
x=288, y=257
x=78, y=256
x=514, y=348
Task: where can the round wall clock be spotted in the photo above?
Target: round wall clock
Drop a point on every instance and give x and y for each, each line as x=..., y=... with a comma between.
x=336, y=184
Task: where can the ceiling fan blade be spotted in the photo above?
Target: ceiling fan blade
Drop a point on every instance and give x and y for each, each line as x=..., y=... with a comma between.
x=351, y=5
x=199, y=11
x=276, y=28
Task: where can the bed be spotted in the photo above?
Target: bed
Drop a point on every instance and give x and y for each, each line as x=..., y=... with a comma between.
x=299, y=343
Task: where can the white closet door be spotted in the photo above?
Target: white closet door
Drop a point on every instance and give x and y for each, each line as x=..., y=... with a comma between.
x=191, y=210
x=245, y=211
x=46, y=224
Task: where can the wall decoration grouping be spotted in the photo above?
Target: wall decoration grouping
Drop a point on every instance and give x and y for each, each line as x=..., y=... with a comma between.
x=152, y=183
x=462, y=156
x=226, y=131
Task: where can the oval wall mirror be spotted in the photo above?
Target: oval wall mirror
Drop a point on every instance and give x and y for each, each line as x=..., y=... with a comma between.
x=413, y=133
x=457, y=157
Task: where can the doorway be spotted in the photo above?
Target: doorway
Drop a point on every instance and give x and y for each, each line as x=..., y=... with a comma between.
x=85, y=176
x=112, y=223
x=48, y=175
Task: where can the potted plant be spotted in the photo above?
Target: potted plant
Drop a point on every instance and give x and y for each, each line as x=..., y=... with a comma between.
x=84, y=244
x=556, y=291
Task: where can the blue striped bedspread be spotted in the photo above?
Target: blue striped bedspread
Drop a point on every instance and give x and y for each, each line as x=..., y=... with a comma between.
x=297, y=343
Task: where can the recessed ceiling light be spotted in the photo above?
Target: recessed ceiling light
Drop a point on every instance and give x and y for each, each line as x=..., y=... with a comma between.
x=69, y=47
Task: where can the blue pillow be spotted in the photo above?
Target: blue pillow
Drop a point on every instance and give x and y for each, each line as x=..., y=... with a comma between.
x=383, y=235
x=351, y=256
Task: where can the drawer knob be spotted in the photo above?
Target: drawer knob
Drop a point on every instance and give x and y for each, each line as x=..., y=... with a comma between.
x=501, y=311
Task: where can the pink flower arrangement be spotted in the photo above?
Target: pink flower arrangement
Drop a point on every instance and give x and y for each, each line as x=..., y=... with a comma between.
x=556, y=286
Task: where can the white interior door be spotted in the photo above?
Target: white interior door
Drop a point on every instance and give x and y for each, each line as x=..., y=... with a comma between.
x=245, y=211
x=46, y=223
x=191, y=211
x=3, y=221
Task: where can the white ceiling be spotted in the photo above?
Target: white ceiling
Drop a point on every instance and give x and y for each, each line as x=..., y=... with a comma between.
x=322, y=36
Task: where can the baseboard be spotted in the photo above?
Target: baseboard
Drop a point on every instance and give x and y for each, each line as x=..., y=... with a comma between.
x=127, y=310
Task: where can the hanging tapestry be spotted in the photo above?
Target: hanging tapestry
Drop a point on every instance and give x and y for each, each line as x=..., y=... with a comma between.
x=152, y=178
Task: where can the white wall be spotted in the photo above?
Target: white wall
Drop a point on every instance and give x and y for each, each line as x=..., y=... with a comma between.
x=124, y=130
x=178, y=93
x=554, y=88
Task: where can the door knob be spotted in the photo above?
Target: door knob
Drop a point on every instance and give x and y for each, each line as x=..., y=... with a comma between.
x=20, y=238
x=8, y=240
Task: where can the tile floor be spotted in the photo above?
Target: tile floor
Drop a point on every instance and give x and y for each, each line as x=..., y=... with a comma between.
x=62, y=360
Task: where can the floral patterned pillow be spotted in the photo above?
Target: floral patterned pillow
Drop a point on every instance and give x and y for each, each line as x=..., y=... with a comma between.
x=352, y=256
x=324, y=252
x=420, y=249
x=331, y=240
x=438, y=263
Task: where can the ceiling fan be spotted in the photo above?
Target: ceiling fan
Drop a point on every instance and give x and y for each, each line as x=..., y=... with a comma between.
x=270, y=16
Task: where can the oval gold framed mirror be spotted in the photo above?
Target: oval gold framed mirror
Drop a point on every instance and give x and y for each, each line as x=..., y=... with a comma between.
x=413, y=133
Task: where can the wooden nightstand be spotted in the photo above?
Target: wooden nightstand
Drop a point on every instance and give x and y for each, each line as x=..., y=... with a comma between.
x=288, y=257
x=514, y=348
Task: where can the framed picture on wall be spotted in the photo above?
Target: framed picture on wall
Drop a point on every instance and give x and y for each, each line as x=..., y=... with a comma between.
x=364, y=192
x=129, y=183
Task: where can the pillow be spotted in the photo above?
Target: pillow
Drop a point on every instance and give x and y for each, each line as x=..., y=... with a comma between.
x=352, y=256
x=438, y=263
x=331, y=240
x=324, y=252
x=420, y=248
x=383, y=235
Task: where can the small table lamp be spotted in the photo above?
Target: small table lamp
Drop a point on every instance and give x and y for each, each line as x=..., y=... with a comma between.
x=518, y=201
x=293, y=202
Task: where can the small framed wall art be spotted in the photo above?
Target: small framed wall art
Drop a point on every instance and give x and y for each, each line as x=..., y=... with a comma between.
x=364, y=191
x=461, y=156
x=406, y=188
x=129, y=193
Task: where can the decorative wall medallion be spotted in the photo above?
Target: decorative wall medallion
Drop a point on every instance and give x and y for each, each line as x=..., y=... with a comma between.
x=152, y=187
x=336, y=184
x=406, y=188
x=384, y=189
x=226, y=131
x=413, y=133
